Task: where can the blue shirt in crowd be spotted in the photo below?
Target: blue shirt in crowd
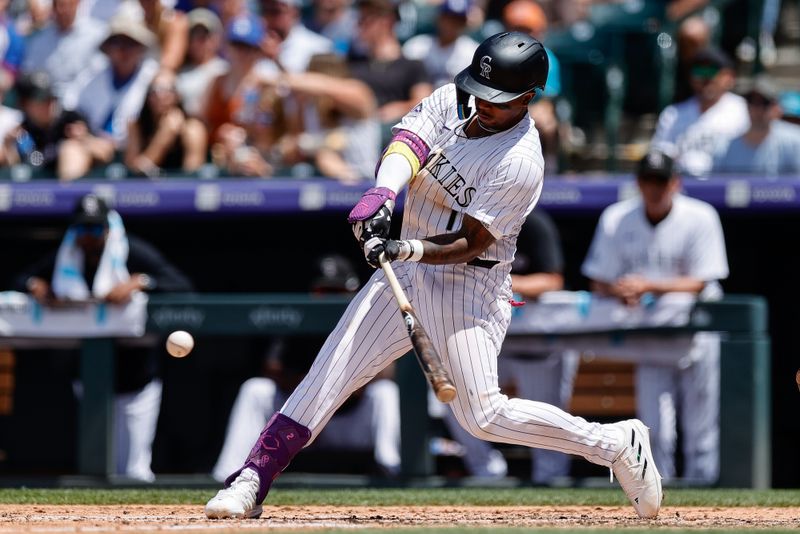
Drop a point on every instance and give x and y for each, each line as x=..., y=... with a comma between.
x=778, y=154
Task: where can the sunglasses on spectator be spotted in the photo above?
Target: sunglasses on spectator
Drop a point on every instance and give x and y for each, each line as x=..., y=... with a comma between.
x=758, y=101
x=199, y=32
x=704, y=72
x=93, y=230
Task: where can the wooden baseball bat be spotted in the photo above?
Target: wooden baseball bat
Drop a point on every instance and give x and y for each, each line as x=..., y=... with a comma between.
x=428, y=358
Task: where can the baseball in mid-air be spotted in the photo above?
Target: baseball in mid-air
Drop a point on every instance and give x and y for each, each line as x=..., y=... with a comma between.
x=180, y=343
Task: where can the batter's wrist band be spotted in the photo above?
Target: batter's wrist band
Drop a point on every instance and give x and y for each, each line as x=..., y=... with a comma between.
x=416, y=250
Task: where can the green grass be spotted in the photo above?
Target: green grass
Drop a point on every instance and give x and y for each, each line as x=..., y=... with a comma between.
x=408, y=497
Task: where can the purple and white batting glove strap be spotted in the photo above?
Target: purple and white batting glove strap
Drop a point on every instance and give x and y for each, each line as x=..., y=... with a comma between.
x=371, y=201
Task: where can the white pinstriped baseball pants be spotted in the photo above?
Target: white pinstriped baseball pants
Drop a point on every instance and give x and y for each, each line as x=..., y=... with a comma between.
x=466, y=320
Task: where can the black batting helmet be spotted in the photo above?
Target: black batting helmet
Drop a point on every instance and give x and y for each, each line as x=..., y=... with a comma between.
x=505, y=66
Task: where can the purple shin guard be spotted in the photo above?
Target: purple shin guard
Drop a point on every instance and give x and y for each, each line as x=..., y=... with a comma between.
x=278, y=443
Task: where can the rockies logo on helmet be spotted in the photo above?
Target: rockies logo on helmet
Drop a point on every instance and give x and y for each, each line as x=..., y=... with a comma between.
x=486, y=68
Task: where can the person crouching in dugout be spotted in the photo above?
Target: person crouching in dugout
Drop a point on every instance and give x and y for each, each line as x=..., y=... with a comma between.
x=98, y=260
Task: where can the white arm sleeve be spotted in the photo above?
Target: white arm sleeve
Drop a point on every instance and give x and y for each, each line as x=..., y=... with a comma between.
x=394, y=172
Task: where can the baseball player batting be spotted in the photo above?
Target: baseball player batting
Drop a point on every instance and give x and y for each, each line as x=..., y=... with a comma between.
x=473, y=176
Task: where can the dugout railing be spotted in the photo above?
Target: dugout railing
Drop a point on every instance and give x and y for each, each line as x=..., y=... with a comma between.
x=745, y=425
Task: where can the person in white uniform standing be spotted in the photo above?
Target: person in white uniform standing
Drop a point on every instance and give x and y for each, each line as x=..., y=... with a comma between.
x=472, y=180
x=643, y=248
x=699, y=128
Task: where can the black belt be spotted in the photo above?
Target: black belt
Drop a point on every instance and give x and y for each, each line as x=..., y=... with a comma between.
x=486, y=264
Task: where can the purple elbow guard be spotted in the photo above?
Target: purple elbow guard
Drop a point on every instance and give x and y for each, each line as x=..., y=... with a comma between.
x=415, y=143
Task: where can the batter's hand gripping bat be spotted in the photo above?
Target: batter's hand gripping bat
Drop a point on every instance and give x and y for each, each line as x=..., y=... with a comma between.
x=428, y=358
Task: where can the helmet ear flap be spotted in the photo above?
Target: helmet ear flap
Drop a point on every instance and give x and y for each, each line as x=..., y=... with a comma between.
x=462, y=104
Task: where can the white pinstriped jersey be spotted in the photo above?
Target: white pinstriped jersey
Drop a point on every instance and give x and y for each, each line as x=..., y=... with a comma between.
x=465, y=309
x=495, y=179
x=688, y=242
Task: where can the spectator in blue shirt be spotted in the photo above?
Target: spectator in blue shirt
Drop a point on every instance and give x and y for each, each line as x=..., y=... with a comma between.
x=770, y=147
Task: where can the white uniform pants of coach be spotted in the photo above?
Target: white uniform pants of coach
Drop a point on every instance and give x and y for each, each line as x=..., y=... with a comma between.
x=135, y=420
x=686, y=390
x=466, y=312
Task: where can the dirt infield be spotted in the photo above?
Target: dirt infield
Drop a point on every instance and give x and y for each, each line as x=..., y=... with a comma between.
x=66, y=518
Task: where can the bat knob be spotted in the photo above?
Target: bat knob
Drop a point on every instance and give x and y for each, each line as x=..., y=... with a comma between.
x=446, y=393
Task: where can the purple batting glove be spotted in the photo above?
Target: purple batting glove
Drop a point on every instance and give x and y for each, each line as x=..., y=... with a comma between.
x=372, y=215
x=371, y=201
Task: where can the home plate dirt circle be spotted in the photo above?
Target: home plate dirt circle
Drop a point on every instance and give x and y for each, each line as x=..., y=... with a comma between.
x=68, y=518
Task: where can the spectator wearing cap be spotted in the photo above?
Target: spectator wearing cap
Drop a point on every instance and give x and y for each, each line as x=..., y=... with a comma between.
x=399, y=83
x=57, y=143
x=696, y=130
x=336, y=20
x=64, y=46
x=646, y=247
x=171, y=28
x=242, y=117
x=203, y=63
x=297, y=43
x=164, y=137
x=98, y=260
x=449, y=51
x=112, y=91
x=527, y=16
x=770, y=147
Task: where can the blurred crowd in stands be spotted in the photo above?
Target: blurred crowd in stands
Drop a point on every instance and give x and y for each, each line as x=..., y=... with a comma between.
x=303, y=88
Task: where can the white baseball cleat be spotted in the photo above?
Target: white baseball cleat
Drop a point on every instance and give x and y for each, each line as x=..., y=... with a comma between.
x=237, y=500
x=635, y=469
